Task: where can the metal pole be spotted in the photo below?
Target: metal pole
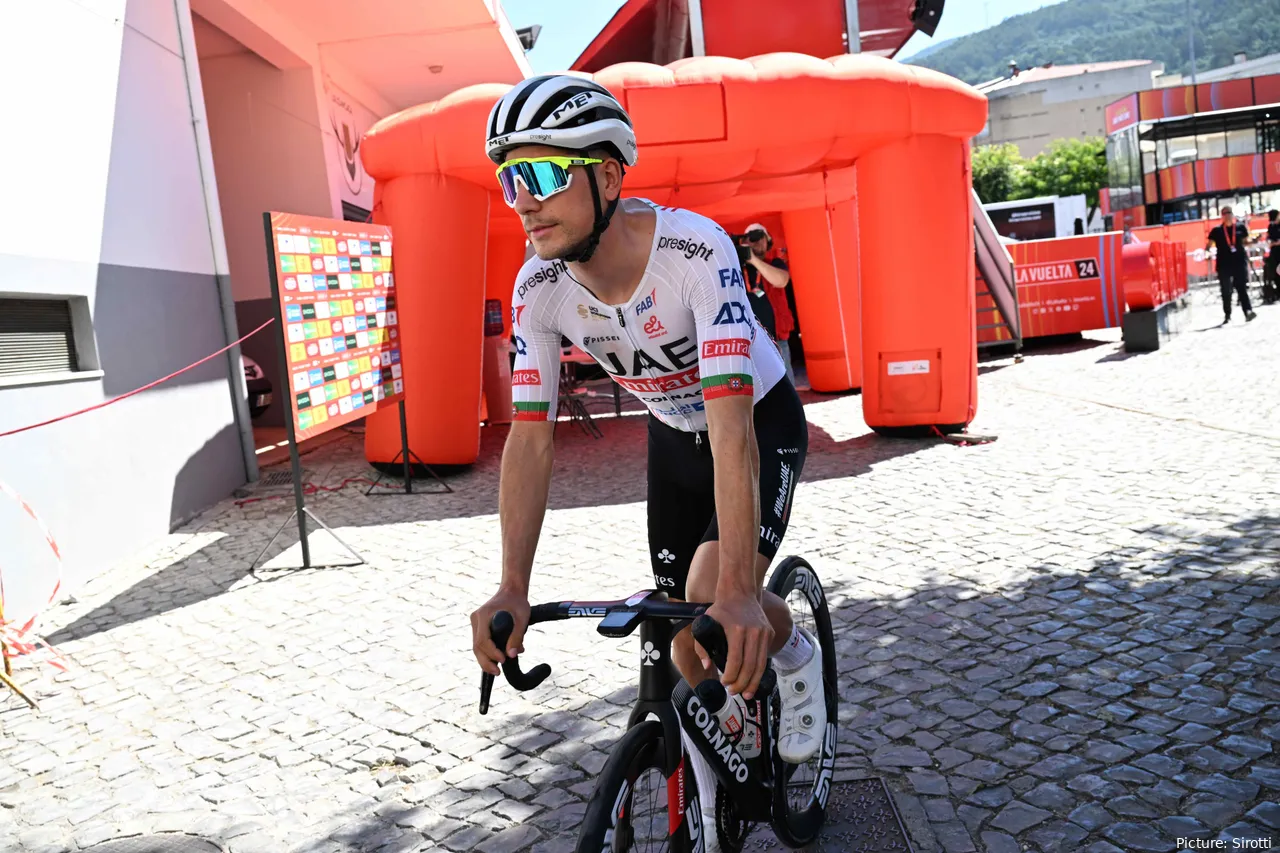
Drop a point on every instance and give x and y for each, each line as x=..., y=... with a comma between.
x=404, y=449
x=289, y=415
x=1191, y=36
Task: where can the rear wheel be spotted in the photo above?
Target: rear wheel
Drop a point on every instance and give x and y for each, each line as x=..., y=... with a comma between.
x=801, y=790
x=635, y=807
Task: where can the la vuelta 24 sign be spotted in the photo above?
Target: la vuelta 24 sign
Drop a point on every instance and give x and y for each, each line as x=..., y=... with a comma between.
x=1069, y=284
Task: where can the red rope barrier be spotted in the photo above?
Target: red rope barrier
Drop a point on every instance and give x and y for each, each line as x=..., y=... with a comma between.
x=138, y=390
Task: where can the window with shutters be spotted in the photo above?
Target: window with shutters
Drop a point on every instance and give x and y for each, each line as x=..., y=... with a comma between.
x=37, y=336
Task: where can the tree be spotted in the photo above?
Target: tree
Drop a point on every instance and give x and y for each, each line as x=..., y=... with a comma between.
x=997, y=172
x=1067, y=167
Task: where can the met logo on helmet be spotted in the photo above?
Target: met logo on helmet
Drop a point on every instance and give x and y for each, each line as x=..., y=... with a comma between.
x=577, y=102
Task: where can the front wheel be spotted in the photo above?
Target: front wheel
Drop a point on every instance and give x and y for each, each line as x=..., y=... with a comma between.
x=636, y=807
x=801, y=790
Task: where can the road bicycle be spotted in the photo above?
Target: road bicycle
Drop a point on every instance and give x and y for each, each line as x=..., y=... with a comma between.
x=647, y=797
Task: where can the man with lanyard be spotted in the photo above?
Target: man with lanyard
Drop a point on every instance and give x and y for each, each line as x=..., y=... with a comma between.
x=1271, y=270
x=1231, y=237
x=770, y=277
x=655, y=295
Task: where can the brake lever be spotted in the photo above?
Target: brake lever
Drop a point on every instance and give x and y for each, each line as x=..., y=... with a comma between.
x=710, y=635
x=500, y=628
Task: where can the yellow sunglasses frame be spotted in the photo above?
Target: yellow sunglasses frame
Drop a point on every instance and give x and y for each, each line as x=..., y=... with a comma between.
x=563, y=162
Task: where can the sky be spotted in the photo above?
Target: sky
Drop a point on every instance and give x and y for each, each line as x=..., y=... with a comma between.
x=568, y=26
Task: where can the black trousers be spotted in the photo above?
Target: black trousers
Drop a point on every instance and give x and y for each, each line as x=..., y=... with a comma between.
x=1271, y=277
x=1235, y=276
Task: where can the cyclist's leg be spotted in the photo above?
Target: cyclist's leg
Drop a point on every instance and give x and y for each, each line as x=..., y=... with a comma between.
x=681, y=503
x=782, y=438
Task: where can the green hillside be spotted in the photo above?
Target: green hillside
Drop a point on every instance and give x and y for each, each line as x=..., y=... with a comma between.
x=1102, y=30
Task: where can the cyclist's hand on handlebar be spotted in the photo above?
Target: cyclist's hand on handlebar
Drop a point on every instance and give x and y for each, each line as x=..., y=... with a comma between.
x=749, y=635
x=488, y=655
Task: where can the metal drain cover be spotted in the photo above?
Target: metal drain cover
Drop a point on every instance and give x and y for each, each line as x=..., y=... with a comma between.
x=169, y=843
x=275, y=479
x=861, y=818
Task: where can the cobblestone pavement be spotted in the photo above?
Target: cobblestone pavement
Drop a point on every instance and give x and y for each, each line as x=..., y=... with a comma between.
x=1065, y=640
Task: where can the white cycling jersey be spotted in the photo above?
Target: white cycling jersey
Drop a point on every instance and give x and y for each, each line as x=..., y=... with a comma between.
x=687, y=334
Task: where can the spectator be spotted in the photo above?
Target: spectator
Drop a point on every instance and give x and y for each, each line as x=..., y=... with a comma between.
x=769, y=277
x=1271, y=269
x=1231, y=237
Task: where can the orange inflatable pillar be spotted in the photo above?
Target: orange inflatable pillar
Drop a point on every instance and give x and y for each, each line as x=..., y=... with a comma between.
x=822, y=246
x=441, y=226
x=919, y=348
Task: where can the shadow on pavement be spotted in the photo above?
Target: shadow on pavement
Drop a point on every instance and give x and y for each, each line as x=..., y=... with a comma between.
x=1132, y=704
x=588, y=474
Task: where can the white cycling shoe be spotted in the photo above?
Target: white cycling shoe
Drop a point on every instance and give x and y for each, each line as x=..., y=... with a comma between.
x=804, y=709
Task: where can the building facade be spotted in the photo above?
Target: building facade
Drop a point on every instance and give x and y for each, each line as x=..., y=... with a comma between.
x=1180, y=152
x=150, y=136
x=1032, y=107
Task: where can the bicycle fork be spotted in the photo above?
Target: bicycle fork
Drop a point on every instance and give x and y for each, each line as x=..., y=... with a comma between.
x=658, y=679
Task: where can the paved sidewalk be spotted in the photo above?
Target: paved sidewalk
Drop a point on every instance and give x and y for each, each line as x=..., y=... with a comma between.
x=1065, y=640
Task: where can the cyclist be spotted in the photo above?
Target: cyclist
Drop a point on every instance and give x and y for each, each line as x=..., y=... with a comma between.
x=654, y=294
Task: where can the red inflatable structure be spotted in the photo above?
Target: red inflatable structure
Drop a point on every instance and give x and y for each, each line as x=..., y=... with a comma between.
x=833, y=147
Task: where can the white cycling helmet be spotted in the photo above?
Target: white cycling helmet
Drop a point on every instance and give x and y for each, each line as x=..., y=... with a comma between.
x=562, y=111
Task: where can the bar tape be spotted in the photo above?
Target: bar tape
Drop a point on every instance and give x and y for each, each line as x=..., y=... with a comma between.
x=12, y=635
x=146, y=387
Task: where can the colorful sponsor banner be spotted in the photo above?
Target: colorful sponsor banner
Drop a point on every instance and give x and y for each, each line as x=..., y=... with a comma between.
x=1122, y=113
x=1223, y=174
x=1271, y=169
x=1266, y=90
x=1166, y=103
x=1176, y=182
x=1224, y=95
x=1065, y=285
x=1128, y=217
x=1150, y=183
x=336, y=297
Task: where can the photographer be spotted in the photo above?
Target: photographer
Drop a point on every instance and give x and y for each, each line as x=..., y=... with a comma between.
x=767, y=281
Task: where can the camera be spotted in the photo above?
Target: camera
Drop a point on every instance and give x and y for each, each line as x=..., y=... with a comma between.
x=744, y=252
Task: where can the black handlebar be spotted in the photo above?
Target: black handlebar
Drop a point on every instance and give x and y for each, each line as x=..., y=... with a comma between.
x=710, y=635
x=500, y=628
x=619, y=618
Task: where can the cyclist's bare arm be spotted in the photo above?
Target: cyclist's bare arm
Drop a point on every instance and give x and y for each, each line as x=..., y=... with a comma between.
x=737, y=488
x=522, y=498
x=726, y=332
x=526, y=474
x=737, y=485
x=527, y=461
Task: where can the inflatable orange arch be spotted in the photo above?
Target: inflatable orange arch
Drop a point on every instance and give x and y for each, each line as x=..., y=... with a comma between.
x=842, y=150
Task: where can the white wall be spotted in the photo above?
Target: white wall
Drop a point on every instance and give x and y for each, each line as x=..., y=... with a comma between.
x=155, y=173
x=57, y=158
x=268, y=150
x=112, y=210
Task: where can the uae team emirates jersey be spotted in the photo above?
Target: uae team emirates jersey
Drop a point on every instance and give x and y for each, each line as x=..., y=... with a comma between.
x=686, y=336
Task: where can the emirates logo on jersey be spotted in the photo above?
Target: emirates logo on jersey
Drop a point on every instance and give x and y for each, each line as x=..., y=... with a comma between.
x=653, y=328
x=526, y=377
x=727, y=346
